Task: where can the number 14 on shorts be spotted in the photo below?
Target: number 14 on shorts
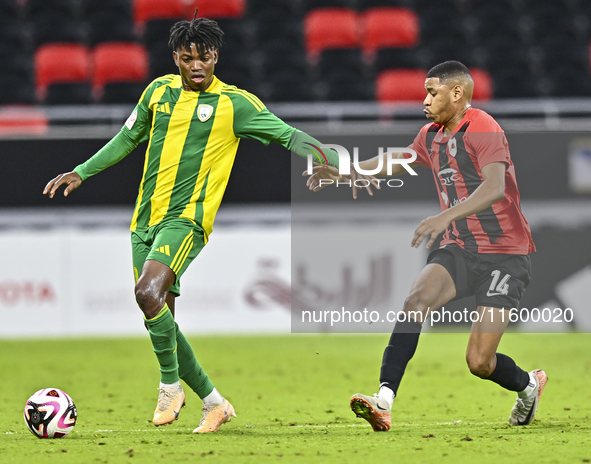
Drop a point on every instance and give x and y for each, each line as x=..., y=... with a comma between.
x=498, y=287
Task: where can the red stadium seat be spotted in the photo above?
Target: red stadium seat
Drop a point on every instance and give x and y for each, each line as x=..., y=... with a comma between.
x=389, y=27
x=483, y=87
x=144, y=10
x=119, y=62
x=60, y=63
x=330, y=28
x=401, y=85
x=217, y=8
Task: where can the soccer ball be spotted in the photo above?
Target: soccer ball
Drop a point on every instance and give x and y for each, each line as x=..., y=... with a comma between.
x=50, y=413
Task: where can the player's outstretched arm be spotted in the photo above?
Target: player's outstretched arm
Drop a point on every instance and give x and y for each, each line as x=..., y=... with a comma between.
x=71, y=179
x=113, y=152
x=487, y=194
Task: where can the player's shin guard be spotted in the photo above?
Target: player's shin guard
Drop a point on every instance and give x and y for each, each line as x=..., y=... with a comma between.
x=162, y=333
x=508, y=375
x=189, y=369
x=401, y=348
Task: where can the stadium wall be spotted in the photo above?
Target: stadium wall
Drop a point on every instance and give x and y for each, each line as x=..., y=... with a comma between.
x=548, y=165
x=69, y=279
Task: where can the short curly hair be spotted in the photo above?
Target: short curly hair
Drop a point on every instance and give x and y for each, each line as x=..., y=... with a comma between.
x=204, y=33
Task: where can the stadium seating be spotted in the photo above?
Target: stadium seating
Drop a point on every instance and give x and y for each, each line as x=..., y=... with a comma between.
x=121, y=7
x=234, y=67
x=271, y=28
x=438, y=22
x=389, y=27
x=217, y=8
x=401, y=85
x=348, y=87
x=21, y=89
x=366, y=4
x=157, y=31
x=286, y=87
x=524, y=48
x=483, y=85
x=145, y=10
x=451, y=48
x=161, y=62
x=9, y=9
x=119, y=71
x=278, y=56
x=330, y=28
x=109, y=26
x=54, y=27
x=514, y=83
x=401, y=58
x=568, y=82
x=309, y=5
x=281, y=8
x=62, y=73
x=39, y=8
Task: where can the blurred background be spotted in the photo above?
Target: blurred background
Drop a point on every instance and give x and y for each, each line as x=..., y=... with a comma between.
x=346, y=71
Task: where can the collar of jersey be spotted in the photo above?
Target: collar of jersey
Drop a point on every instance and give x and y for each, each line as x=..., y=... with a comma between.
x=442, y=138
x=214, y=87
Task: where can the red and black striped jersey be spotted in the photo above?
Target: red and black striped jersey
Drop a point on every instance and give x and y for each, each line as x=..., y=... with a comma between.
x=456, y=160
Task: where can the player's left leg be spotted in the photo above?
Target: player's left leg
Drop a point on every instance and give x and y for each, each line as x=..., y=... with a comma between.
x=216, y=409
x=485, y=362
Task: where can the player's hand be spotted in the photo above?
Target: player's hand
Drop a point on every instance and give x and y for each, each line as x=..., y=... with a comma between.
x=72, y=180
x=330, y=173
x=321, y=172
x=432, y=226
x=369, y=181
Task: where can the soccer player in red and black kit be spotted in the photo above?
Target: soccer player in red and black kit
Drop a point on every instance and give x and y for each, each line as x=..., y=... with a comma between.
x=484, y=251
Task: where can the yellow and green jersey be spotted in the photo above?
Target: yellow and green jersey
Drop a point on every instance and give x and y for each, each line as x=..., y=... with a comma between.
x=193, y=138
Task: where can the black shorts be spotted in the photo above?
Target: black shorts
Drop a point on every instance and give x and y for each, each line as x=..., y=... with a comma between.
x=497, y=280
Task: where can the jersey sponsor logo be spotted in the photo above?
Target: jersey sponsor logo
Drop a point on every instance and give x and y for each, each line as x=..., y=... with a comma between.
x=131, y=120
x=164, y=249
x=452, y=147
x=164, y=108
x=204, y=112
x=448, y=176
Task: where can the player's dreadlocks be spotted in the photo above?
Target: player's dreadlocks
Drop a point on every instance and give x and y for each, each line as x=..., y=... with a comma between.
x=449, y=69
x=203, y=32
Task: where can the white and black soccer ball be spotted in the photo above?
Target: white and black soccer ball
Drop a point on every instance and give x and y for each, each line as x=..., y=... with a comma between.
x=50, y=413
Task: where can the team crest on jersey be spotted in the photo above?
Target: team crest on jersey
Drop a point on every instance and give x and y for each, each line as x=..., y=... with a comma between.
x=204, y=112
x=453, y=147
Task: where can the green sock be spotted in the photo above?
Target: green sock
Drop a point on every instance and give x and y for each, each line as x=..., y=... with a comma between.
x=189, y=369
x=162, y=332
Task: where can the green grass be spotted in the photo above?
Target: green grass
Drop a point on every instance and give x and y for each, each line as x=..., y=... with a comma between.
x=291, y=395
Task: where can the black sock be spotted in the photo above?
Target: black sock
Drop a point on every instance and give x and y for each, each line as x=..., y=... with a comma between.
x=509, y=375
x=400, y=349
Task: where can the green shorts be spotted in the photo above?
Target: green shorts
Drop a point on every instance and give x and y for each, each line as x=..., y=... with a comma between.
x=175, y=242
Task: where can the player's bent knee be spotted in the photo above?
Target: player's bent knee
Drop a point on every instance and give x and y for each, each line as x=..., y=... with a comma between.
x=480, y=367
x=149, y=302
x=416, y=301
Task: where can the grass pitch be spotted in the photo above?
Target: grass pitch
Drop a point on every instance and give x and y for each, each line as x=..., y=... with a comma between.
x=291, y=395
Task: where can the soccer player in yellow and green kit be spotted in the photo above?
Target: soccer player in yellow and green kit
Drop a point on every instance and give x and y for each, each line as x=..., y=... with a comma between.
x=193, y=122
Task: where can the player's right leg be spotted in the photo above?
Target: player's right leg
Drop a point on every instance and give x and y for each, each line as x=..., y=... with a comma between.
x=484, y=362
x=151, y=290
x=154, y=263
x=432, y=288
